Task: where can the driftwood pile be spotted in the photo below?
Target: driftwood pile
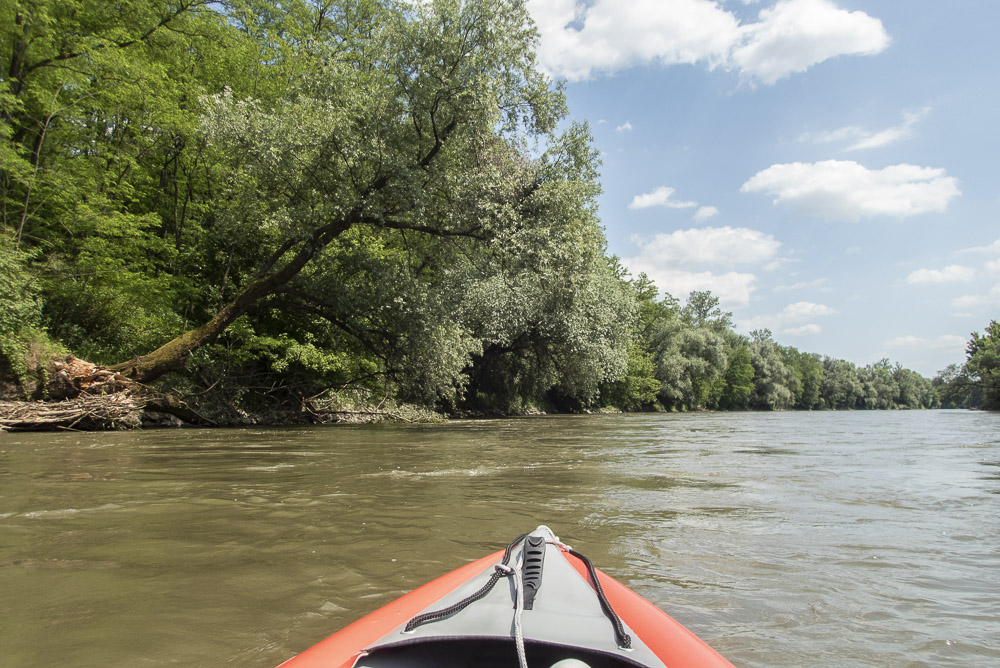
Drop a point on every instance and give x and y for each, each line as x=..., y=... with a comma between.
x=74, y=376
x=87, y=412
x=87, y=397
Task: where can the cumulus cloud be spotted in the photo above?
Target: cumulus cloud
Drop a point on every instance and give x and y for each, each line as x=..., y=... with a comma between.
x=969, y=303
x=705, y=212
x=706, y=259
x=804, y=330
x=992, y=249
x=716, y=246
x=847, y=191
x=794, y=35
x=793, y=319
x=659, y=197
x=579, y=40
x=800, y=311
x=910, y=342
x=624, y=127
x=731, y=287
x=953, y=273
x=863, y=139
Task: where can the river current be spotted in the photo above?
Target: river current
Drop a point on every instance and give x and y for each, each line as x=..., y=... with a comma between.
x=782, y=539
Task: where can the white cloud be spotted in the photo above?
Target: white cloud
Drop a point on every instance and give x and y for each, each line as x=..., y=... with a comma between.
x=800, y=311
x=847, y=191
x=659, y=197
x=624, y=127
x=992, y=249
x=967, y=303
x=864, y=139
x=605, y=36
x=889, y=135
x=803, y=330
x=993, y=266
x=732, y=288
x=910, y=342
x=953, y=273
x=711, y=246
x=705, y=259
x=793, y=319
x=705, y=212
x=794, y=35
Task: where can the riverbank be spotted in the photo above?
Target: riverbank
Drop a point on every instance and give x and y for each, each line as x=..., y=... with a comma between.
x=125, y=411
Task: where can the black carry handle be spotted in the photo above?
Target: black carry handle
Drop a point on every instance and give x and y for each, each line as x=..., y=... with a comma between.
x=531, y=568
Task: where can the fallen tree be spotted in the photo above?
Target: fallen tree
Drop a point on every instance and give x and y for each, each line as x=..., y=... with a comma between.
x=85, y=396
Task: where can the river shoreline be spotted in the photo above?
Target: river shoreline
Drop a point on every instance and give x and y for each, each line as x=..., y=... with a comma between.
x=118, y=412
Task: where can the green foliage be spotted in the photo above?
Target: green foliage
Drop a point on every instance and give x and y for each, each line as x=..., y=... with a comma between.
x=367, y=196
x=775, y=383
x=840, y=388
x=737, y=383
x=983, y=364
x=639, y=388
x=20, y=314
x=956, y=388
x=20, y=304
x=808, y=369
x=689, y=362
x=702, y=310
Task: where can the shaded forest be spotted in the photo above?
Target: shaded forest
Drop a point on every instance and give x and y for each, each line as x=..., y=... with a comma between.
x=280, y=212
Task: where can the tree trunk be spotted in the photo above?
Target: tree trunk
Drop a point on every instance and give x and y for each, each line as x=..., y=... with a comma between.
x=173, y=354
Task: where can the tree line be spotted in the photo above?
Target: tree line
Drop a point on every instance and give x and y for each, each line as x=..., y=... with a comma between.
x=257, y=205
x=975, y=383
x=690, y=357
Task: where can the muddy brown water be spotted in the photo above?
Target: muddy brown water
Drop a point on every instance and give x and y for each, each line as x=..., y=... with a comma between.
x=786, y=539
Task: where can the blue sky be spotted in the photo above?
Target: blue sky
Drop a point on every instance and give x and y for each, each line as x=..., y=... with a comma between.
x=827, y=168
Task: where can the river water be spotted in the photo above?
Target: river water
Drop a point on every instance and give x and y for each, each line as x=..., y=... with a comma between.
x=782, y=539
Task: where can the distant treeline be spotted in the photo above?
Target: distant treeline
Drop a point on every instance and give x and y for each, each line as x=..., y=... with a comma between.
x=260, y=206
x=689, y=357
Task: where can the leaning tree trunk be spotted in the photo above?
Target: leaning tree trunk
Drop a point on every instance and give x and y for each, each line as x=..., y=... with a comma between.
x=173, y=354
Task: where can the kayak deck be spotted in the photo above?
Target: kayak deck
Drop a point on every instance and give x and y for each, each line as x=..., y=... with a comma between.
x=538, y=604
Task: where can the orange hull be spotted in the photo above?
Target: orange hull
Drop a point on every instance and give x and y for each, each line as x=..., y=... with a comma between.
x=675, y=645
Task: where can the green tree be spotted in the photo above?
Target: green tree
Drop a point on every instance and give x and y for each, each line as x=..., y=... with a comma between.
x=652, y=309
x=20, y=311
x=983, y=364
x=774, y=382
x=104, y=167
x=416, y=119
x=840, y=388
x=915, y=391
x=639, y=388
x=808, y=370
x=880, y=389
x=702, y=310
x=738, y=385
x=955, y=388
x=689, y=363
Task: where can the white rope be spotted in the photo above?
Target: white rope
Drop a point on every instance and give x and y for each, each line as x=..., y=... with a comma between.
x=522, y=659
x=515, y=573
